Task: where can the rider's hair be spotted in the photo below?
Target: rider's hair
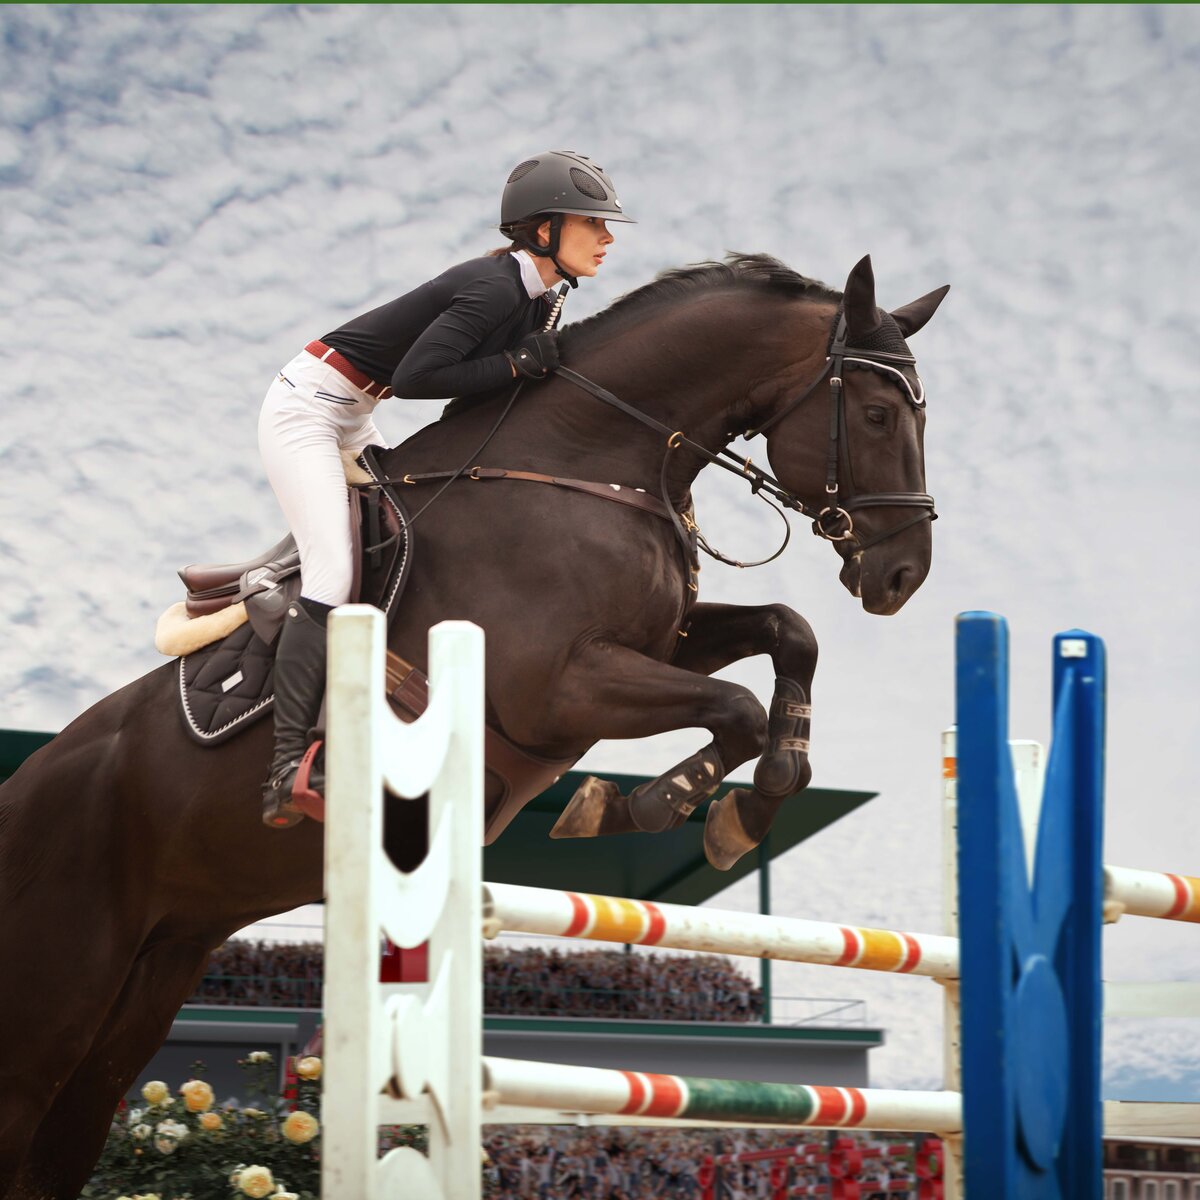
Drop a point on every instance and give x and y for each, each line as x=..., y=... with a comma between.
x=524, y=233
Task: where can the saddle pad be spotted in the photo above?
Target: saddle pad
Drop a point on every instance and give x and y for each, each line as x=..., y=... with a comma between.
x=228, y=685
x=225, y=686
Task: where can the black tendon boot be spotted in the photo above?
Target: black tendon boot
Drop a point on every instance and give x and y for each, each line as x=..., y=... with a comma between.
x=299, y=691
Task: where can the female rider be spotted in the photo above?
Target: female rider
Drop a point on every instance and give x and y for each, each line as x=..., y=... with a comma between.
x=472, y=329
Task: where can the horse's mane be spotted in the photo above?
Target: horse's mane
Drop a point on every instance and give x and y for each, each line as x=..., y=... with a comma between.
x=757, y=271
x=760, y=272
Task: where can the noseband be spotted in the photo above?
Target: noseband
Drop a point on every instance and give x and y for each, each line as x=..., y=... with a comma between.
x=834, y=522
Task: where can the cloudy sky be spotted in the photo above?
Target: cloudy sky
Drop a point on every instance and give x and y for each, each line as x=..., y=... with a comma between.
x=188, y=194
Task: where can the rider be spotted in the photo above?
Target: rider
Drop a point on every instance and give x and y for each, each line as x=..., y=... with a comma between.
x=474, y=328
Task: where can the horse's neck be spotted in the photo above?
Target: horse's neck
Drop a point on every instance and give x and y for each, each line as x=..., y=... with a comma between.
x=687, y=371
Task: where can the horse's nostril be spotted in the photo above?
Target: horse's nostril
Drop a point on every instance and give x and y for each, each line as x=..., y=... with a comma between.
x=900, y=580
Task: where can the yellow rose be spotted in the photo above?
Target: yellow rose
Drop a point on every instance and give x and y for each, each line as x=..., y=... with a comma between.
x=309, y=1068
x=155, y=1092
x=300, y=1127
x=211, y=1121
x=256, y=1181
x=197, y=1095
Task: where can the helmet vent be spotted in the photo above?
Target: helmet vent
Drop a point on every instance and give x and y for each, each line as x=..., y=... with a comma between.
x=588, y=184
x=522, y=169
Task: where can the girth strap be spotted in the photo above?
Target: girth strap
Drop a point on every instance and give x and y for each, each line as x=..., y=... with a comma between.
x=620, y=494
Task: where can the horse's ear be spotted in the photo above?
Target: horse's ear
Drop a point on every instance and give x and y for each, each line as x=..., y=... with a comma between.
x=862, y=315
x=913, y=316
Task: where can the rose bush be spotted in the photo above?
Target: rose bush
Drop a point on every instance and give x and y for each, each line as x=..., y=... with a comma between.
x=200, y=1150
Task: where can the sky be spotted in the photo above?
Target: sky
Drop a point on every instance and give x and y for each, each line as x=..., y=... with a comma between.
x=188, y=194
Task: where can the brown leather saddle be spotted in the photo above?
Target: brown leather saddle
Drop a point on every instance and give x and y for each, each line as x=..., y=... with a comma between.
x=226, y=686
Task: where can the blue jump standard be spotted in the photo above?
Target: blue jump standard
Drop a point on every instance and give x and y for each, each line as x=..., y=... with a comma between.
x=1030, y=966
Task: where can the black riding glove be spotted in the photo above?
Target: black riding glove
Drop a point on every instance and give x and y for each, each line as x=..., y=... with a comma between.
x=535, y=355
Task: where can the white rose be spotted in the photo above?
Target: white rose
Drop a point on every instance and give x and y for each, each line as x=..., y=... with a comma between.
x=140, y=1132
x=260, y=1056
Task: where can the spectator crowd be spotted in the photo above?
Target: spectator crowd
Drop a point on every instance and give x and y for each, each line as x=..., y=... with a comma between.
x=532, y=981
x=518, y=981
x=559, y=1163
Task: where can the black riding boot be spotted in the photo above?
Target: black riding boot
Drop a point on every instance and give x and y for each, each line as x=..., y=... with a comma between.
x=299, y=691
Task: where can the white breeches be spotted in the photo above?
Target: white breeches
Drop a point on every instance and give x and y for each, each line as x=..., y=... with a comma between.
x=310, y=415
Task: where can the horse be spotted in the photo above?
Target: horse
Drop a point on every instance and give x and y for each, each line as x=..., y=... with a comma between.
x=128, y=852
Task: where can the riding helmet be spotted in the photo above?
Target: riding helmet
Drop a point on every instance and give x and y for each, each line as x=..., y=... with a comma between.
x=558, y=181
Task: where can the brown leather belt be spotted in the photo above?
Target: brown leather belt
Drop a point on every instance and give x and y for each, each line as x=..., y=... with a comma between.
x=634, y=497
x=344, y=367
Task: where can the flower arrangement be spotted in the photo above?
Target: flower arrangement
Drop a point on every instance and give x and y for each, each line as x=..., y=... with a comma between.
x=191, y=1148
x=188, y=1148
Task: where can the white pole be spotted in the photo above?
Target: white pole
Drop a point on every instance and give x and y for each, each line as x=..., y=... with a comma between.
x=520, y=909
x=951, y=1007
x=424, y=1051
x=456, y=948
x=356, y=1057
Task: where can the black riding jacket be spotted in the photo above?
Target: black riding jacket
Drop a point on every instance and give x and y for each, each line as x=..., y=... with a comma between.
x=446, y=337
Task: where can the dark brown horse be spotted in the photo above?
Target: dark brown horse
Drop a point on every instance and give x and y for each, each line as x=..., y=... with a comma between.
x=128, y=852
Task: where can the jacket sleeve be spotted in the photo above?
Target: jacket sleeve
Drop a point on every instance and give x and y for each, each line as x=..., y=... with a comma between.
x=437, y=366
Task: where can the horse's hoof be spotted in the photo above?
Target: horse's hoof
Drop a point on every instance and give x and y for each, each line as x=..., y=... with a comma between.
x=725, y=840
x=585, y=813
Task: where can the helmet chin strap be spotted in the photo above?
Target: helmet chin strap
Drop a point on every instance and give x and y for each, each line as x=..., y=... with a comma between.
x=551, y=251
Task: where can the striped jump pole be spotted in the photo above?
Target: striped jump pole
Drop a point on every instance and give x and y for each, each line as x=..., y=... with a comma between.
x=1150, y=894
x=525, y=1084
x=517, y=909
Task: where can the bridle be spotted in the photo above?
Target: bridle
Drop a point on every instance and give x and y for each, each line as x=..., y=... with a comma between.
x=837, y=511
x=832, y=521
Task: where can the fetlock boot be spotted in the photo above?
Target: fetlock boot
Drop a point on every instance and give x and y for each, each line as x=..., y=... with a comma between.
x=299, y=692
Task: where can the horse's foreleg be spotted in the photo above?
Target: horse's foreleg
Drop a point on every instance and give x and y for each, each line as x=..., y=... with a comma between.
x=717, y=635
x=613, y=692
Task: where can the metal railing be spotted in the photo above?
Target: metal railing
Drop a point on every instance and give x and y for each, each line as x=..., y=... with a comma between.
x=818, y=1012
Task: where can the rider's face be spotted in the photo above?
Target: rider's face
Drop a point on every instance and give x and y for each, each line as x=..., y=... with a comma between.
x=582, y=243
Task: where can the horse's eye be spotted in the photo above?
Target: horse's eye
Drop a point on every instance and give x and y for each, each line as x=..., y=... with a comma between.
x=877, y=414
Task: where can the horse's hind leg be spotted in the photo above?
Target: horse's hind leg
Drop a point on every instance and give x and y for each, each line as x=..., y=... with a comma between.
x=71, y=1135
x=719, y=634
x=613, y=692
